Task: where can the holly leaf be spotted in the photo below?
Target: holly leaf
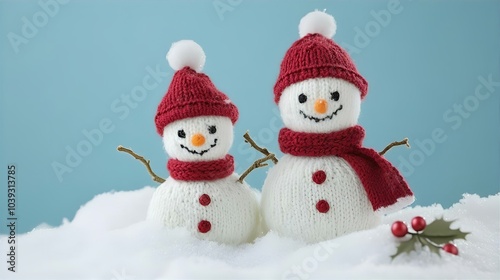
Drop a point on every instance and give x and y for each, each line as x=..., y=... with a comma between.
x=406, y=246
x=433, y=248
x=439, y=232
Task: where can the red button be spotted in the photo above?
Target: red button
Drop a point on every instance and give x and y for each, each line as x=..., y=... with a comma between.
x=319, y=177
x=204, y=199
x=322, y=206
x=204, y=226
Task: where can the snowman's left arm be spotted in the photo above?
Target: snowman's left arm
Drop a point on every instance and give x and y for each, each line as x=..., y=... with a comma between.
x=395, y=143
x=264, y=151
x=260, y=162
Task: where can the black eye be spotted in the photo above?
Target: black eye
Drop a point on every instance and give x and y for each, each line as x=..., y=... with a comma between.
x=212, y=129
x=181, y=133
x=335, y=96
x=302, y=98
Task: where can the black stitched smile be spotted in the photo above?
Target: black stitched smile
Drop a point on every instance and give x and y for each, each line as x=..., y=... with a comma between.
x=321, y=119
x=200, y=152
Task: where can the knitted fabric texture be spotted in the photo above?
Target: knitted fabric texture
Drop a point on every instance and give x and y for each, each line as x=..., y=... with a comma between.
x=315, y=199
x=222, y=210
x=315, y=56
x=303, y=117
x=202, y=194
x=216, y=145
x=383, y=183
x=201, y=170
x=192, y=94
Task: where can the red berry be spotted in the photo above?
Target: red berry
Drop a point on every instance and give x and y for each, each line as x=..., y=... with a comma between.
x=399, y=229
x=450, y=248
x=418, y=223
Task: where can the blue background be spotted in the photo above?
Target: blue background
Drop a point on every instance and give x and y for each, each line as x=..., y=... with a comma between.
x=72, y=73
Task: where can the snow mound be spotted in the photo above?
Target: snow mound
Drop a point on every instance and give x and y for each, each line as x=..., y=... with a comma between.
x=109, y=239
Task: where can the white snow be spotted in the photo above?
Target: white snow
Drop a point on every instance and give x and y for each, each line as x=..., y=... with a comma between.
x=109, y=239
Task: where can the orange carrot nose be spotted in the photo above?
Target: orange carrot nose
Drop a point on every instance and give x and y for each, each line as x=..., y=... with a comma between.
x=320, y=106
x=197, y=140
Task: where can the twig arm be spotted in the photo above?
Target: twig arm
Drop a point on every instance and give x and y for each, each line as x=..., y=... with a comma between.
x=144, y=161
x=264, y=151
x=260, y=162
x=393, y=144
x=257, y=164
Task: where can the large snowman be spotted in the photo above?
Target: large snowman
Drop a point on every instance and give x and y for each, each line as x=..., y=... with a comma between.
x=326, y=184
x=196, y=122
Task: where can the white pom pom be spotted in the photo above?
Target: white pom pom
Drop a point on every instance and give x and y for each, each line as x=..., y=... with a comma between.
x=186, y=53
x=317, y=22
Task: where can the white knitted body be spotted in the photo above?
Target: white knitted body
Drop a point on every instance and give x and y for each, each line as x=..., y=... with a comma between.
x=289, y=197
x=232, y=212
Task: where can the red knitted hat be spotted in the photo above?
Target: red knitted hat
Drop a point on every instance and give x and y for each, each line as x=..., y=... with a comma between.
x=191, y=94
x=315, y=55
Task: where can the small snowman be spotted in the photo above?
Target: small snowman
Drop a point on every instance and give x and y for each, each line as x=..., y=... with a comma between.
x=196, y=122
x=326, y=184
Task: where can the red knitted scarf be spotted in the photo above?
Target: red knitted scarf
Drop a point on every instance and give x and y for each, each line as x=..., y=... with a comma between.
x=201, y=170
x=382, y=181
